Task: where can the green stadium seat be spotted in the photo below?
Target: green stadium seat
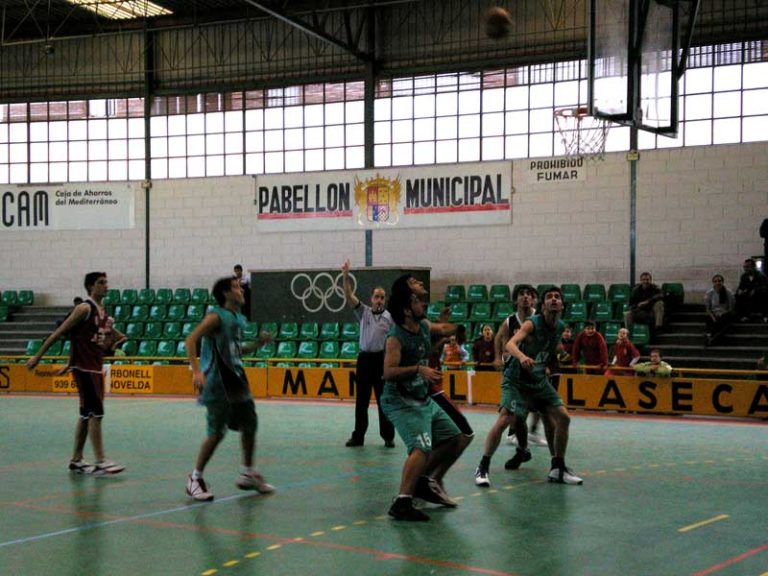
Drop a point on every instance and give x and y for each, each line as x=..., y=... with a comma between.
x=434, y=310
x=164, y=296
x=499, y=293
x=66, y=348
x=349, y=350
x=310, y=331
x=26, y=298
x=187, y=328
x=640, y=335
x=4, y=312
x=288, y=331
x=33, y=346
x=674, y=293
x=119, y=326
x=481, y=312
x=576, y=327
x=112, y=298
x=329, y=349
x=286, y=349
x=541, y=288
x=477, y=293
x=455, y=293
x=153, y=330
x=130, y=347
x=619, y=292
x=459, y=312
x=270, y=328
x=172, y=330
x=610, y=331
x=307, y=349
x=330, y=331
x=268, y=350
x=181, y=349
x=195, y=312
x=146, y=296
x=166, y=348
x=139, y=312
x=10, y=298
x=147, y=348
x=251, y=332
x=602, y=312
x=134, y=330
x=594, y=293
x=200, y=296
x=158, y=312
x=350, y=331
x=177, y=312
x=502, y=310
x=122, y=313
x=619, y=309
x=575, y=312
x=571, y=292
x=129, y=296
x=182, y=296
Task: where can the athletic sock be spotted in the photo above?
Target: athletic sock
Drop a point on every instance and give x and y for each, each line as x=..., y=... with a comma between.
x=246, y=470
x=196, y=474
x=485, y=462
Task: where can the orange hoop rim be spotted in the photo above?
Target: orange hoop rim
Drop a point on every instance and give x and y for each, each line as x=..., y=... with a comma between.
x=575, y=112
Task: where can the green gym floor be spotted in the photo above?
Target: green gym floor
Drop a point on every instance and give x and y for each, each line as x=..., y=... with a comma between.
x=660, y=496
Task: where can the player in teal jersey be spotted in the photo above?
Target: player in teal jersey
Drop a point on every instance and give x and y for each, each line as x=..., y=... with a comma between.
x=526, y=384
x=219, y=378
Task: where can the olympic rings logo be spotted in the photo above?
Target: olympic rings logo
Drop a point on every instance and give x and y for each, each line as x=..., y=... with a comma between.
x=321, y=291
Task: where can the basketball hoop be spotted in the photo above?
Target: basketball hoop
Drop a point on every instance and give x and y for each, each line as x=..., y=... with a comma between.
x=581, y=134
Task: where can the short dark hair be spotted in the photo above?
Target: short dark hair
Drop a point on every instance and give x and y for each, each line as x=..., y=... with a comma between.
x=552, y=289
x=220, y=289
x=589, y=323
x=238, y=267
x=399, y=299
x=750, y=260
x=378, y=288
x=652, y=350
x=646, y=274
x=91, y=278
x=522, y=287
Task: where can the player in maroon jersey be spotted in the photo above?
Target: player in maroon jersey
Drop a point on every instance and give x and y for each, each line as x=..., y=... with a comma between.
x=92, y=335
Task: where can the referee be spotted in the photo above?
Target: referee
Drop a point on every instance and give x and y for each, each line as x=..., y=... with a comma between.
x=375, y=323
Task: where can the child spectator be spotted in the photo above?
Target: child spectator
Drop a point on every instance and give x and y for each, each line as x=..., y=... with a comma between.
x=656, y=366
x=590, y=345
x=453, y=354
x=483, y=350
x=625, y=354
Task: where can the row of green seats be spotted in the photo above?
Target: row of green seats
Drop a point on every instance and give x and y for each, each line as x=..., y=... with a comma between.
x=157, y=312
x=11, y=298
x=149, y=296
x=156, y=330
x=307, y=349
x=305, y=330
x=571, y=292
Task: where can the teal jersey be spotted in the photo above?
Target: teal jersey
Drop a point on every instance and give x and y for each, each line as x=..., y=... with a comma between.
x=541, y=345
x=414, y=349
x=220, y=360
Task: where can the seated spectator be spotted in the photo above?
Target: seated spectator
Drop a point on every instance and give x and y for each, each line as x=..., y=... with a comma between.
x=720, y=306
x=646, y=303
x=625, y=354
x=590, y=345
x=453, y=355
x=752, y=293
x=483, y=350
x=655, y=367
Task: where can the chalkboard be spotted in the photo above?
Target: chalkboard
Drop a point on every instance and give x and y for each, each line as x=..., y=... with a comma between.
x=317, y=294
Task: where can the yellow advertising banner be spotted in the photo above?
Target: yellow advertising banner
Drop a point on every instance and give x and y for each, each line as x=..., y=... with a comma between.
x=128, y=379
x=295, y=382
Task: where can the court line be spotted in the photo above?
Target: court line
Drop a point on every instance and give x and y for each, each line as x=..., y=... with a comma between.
x=731, y=561
x=703, y=523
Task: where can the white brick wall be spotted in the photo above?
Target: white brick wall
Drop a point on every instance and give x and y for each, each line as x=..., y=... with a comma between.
x=698, y=213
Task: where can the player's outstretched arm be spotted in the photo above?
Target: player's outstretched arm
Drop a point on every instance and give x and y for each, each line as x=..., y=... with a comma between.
x=349, y=295
x=77, y=315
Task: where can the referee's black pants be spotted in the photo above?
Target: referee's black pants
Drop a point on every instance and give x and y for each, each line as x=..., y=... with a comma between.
x=369, y=374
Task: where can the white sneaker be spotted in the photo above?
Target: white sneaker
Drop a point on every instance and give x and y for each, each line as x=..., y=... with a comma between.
x=254, y=481
x=107, y=468
x=481, y=478
x=537, y=439
x=512, y=439
x=80, y=467
x=563, y=476
x=197, y=489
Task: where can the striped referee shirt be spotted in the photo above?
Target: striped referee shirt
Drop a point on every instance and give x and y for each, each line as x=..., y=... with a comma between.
x=373, y=328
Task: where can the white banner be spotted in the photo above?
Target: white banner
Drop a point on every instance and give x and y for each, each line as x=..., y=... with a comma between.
x=76, y=206
x=414, y=197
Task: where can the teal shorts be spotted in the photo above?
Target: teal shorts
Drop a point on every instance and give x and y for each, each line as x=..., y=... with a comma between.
x=239, y=416
x=420, y=424
x=519, y=395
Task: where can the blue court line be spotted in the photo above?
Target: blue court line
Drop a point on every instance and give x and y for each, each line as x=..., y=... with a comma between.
x=191, y=506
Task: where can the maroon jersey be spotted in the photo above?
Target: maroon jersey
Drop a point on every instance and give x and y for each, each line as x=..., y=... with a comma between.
x=90, y=339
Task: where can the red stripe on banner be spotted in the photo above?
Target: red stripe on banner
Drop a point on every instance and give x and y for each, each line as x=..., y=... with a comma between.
x=290, y=215
x=435, y=210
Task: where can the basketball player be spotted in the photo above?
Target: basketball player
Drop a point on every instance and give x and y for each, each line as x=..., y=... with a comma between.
x=92, y=336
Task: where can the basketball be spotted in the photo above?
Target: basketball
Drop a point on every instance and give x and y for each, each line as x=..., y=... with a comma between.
x=498, y=23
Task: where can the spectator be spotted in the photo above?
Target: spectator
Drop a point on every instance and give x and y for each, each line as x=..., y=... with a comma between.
x=566, y=341
x=655, y=367
x=625, y=354
x=245, y=284
x=752, y=292
x=646, y=302
x=591, y=345
x=720, y=305
x=453, y=355
x=483, y=350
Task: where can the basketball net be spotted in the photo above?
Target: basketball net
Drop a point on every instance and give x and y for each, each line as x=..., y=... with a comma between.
x=581, y=134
